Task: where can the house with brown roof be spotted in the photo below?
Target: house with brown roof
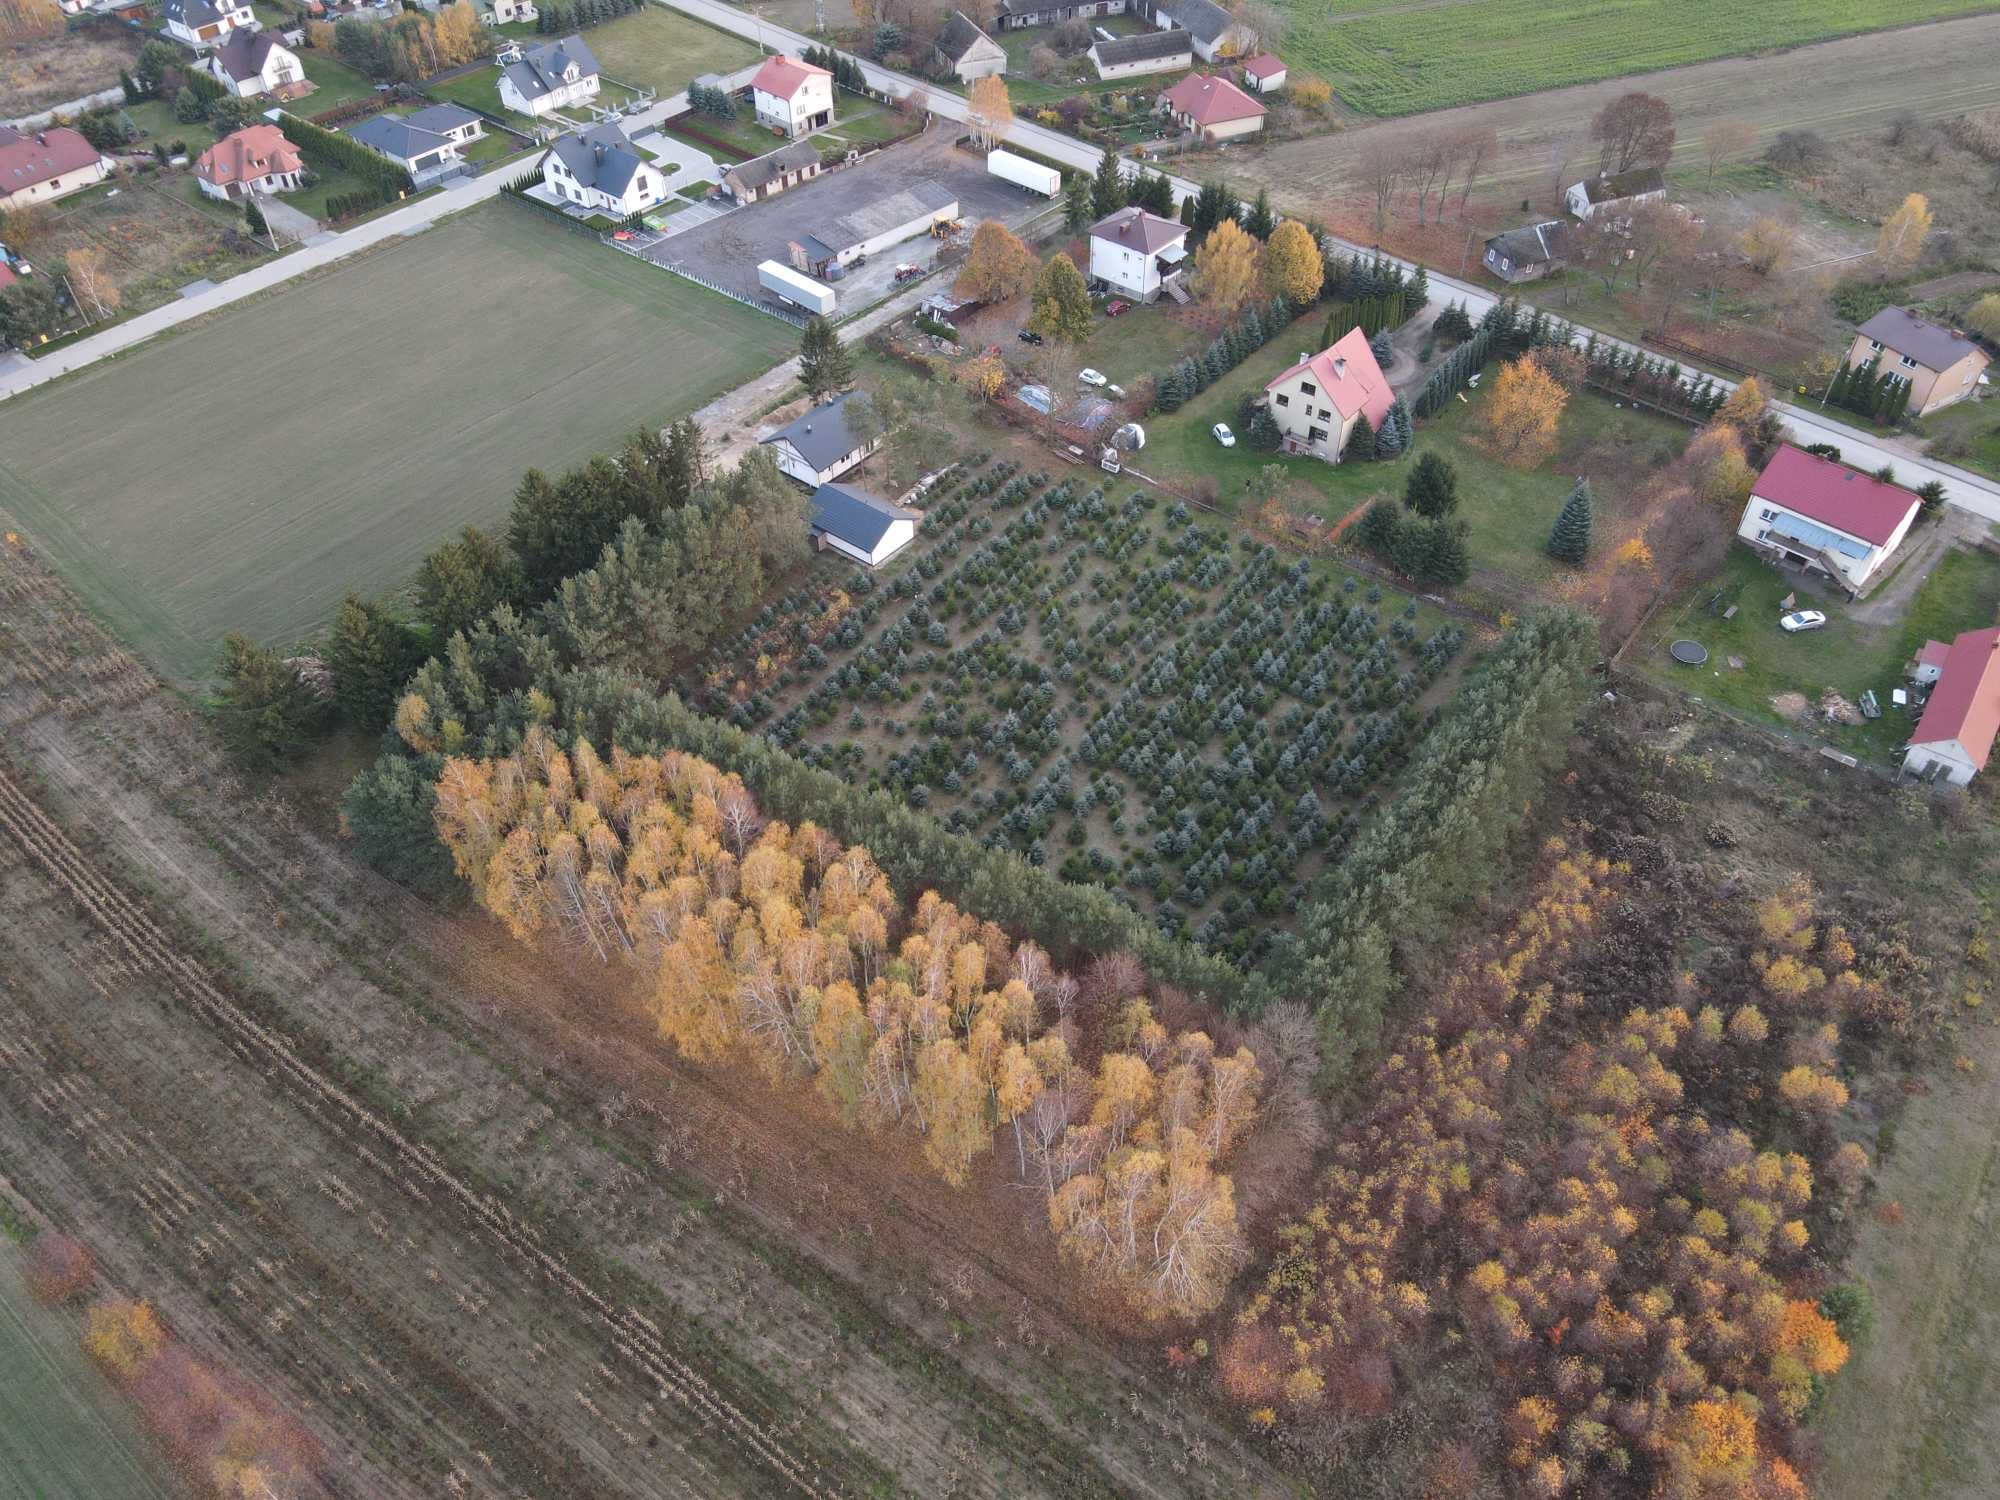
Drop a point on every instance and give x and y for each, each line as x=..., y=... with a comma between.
x=1954, y=738
x=255, y=159
x=792, y=96
x=248, y=63
x=1616, y=194
x=1212, y=107
x=1140, y=254
x=1317, y=402
x=1825, y=518
x=1941, y=364
x=966, y=52
x=38, y=166
x=768, y=175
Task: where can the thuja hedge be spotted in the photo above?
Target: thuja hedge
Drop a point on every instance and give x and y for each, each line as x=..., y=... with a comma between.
x=1438, y=840
x=330, y=151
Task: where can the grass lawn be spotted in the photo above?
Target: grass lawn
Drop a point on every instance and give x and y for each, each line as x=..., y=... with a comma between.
x=333, y=83
x=1961, y=593
x=1976, y=425
x=425, y=394
x=863, y=123
x=664, y=50
x=65, y=1432
x=744, y=133
x=156, y=121
x=480, y=90
x=1385, y=57
x=313, y=200
x=1509, y=511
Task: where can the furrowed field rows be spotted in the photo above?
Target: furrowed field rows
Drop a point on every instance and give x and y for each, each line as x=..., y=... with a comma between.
x=1399, y=58
x=413, y=1167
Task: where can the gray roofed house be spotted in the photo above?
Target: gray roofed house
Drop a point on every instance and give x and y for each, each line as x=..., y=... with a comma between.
x=1926, y=342
x=820, y=445
x=1525, y=254
x=967, y=52
x=885, y=222
x=1148, y=52
x=770, y=174
x=859, y=525
x=200, y=22
x=1213, y=29
x=550, y=76
x=452, y=121
x=601, y=168
x=413, y=149
x=244, y=59
x=1136, y=229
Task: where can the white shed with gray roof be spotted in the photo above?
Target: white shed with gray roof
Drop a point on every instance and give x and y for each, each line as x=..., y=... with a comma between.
x=878, y=226
x=859, y=525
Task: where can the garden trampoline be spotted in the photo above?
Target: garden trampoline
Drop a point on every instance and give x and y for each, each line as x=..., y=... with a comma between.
x=1688, y=653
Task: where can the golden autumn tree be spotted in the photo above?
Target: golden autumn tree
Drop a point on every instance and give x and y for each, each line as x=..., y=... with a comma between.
x=998, y=267
x=1522, y=417
x=92, y=284
x=1227, y=267
x=24, y=20
x=1293, y=264
x=988, y=111
x=1766, y=243
x=124, y=1336
x=1903, y=233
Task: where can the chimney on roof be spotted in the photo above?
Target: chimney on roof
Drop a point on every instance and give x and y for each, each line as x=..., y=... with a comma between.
x=1340, y=369
x=600, y=151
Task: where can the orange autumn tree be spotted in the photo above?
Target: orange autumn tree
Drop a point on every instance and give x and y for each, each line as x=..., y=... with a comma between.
x=759, y=942
x=1575, y=1199
x=1522, y=417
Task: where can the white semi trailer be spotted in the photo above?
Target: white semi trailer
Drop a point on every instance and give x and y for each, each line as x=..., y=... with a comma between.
x=1018, y=170
x=796, y=288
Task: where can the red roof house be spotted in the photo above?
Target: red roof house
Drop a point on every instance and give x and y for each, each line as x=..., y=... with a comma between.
x=46, y=164
x=1318, y=400
x=1825, y=518
x=1955, y=736
x=1213, y=107
x=256, y=158
x=792, y=96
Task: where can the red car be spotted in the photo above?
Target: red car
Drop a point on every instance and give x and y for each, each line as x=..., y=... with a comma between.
x=1114, y=309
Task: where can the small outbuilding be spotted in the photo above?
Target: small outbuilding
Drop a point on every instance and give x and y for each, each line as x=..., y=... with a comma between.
x=1616, y=193
x=859, y=525
x=1265, y=73
x=966, y=52
x=1149, y=52
x=768, y=175
x=1954, y=738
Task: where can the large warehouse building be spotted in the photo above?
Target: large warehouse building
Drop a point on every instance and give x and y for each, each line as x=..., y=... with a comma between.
x=878, y=226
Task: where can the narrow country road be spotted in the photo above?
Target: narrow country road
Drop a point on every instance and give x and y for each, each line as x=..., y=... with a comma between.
x=1967, y=490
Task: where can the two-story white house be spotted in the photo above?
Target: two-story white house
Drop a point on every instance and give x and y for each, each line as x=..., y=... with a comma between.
x=555, y=75
x=1140, y=254
x=248, y=63
x=601, y=169
x=1318, y=401
x=820, y=446
x=201, y=24
x=1826, y=519
x=792, y=96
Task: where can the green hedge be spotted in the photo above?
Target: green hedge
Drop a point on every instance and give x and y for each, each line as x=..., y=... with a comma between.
x=330, y=151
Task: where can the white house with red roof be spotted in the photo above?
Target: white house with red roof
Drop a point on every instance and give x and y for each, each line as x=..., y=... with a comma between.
x=792, y=96
x=1265, y=73
x=1955, y=735
x=44, y=164
x=1140, y=254
x=1821, y=516
x=1212, y=107
x=1317, y=401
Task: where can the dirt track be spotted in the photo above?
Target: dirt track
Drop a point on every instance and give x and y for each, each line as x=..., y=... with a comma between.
x=1836, y=88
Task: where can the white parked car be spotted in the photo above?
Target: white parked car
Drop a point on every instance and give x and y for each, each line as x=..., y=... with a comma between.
x=1804, y=619
x=1091, y=377
x=1223, y=435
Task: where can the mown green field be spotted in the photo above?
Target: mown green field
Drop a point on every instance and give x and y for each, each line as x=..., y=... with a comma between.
x=65, y=1434
x=247, y=472
x=1389, y=57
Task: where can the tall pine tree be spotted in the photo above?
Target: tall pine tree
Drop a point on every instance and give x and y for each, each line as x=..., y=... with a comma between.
x=1107, y=191
x=1569, y=540
x=1361, y=441
x=825, y=367
x=1432, y=488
